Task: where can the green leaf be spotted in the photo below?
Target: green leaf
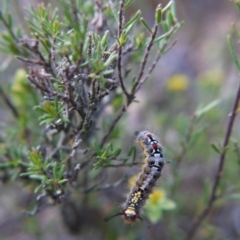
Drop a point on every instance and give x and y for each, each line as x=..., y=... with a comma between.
x=216, y=148
x=132, y=151
x=233, y=196
x=114, y=11
x=24, y=174
x=173, y=9
x=165, y=26
x=61, y=171
x=154, y=215
x=130, y=24
x=128, y=3
x=107, y=72
x=110, y=59
x=158, y=16
x=37, y=176
x=232, y=52
x=104, y=40
x=62, y=181
x=97, y=147
x=168, y=205
x=238, y=4
x=144, y=23
x=65, y=119
x=9, y=20
x=25, y=164
x=170, y=19
x=38, y=188
x=6, y=63
x=5, y=6
x=164, y=36
x=207, y=108
x=167, y=6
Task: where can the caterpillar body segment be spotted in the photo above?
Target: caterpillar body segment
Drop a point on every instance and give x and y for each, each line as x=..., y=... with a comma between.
x=151, y=171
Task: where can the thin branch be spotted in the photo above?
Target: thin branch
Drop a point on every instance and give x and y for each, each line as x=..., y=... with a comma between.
x=59, y=145
x=145, y=58
x=69, y=88
x=9, y=103
x=89, y=50
x=46, y=64
x=33, y=45
x=31, y=61
x=124, y=164
x=152, y=67
x=114, y=123
x=97, y=187
x=187, y=140
x=150, y=70
x=130, y=100
x=32, y=78
x=218, y=176
x=119, y=61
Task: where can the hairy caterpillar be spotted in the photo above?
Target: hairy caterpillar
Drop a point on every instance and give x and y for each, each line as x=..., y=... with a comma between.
x=151, y=171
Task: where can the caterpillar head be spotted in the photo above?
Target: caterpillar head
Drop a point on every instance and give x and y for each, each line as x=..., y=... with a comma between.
x=130, y=215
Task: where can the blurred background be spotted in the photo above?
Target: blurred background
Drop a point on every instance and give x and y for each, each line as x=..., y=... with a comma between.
x=198, y=70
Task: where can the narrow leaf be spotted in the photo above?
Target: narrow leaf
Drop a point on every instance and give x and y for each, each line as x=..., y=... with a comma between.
x=216, y=148
x=144, y=23
x=232, y=52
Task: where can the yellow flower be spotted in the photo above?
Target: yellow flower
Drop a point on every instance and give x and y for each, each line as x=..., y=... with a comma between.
x=22, y=94
x=19, y=88
x=178, y=83
x=157, y=204
x=156, y=196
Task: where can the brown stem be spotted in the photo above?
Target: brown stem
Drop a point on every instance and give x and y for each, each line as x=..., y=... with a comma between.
x=218, y=176
x=119, y=61
x=145, y=58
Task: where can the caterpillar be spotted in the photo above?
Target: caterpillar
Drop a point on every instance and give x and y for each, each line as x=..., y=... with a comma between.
x=151, y=171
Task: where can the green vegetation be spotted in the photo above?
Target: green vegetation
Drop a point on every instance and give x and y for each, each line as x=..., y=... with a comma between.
x=68, y=140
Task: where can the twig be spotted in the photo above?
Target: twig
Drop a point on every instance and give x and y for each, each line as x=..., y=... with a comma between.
x=31, y=61
x=136, y=83
x=152, y=67
x=218, y=176
x=59, y=145
x=69, y=88
x=130, y=100
x=9, y=103
x=33, y=45
x=145, y=57
x=124, y=164
x=89, y=50
x=115, y=121
x=150, y=70
x=119, y=61
x=187, y=139
x=97, y=187
x=46, y=64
